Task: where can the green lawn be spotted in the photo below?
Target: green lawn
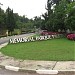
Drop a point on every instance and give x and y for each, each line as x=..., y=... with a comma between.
x=54, y=49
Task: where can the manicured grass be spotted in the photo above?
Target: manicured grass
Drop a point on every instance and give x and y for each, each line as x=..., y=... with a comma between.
x=54, y=49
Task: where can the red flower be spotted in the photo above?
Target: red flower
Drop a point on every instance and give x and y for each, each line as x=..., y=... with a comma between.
x=71, y=36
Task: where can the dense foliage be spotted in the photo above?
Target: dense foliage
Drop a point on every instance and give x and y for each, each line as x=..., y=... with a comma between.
x=60, y=15
x=11, y=21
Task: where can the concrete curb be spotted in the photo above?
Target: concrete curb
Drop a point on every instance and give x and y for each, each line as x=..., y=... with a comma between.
x=34, y=71
x=3, y=45
x=29, y=71
x=12, y=68
x=47, y=71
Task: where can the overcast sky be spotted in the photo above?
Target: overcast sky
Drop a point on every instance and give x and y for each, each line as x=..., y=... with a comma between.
x=30, y=8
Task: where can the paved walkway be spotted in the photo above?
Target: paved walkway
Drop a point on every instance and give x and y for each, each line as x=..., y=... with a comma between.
x=36, y=65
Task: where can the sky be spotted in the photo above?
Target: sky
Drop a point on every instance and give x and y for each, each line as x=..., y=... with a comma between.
x=29, y=8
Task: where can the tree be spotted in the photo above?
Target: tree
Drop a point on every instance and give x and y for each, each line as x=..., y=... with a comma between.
x=60, y=15
x=48, y=17
x=10, y=21
x=45, y=16
x=2, y=19
x=70, y=19
x=54, y=19
x=37, y=22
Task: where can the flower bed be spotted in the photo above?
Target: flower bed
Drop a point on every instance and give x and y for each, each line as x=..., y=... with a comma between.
x=57, y=34
x=49, y=33
x=71, y=36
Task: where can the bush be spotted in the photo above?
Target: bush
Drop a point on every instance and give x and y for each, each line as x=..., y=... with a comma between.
x=71, y=36
x=16, y=32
